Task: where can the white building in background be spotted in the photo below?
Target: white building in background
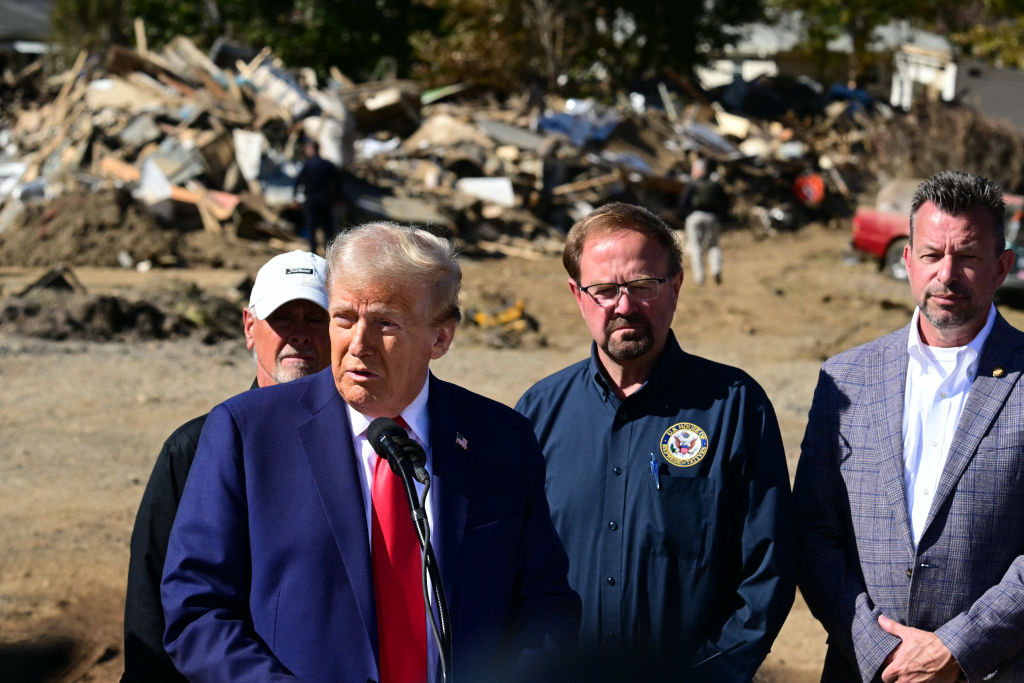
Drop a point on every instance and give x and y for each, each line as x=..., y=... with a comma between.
x=922, y=62
x=916, y=68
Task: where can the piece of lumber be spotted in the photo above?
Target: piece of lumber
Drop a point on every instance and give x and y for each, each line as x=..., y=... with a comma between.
x=220, y=204
x=140, y=35
x=60, y=104
x=576, y=186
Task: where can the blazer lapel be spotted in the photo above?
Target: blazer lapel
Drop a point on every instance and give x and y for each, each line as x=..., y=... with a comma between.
x=326, y=439
x=987, y=396
x=451, y=479
x=887, y=387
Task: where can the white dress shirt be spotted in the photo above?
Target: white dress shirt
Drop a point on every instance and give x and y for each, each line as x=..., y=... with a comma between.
x=938, y=381
x=415, y=415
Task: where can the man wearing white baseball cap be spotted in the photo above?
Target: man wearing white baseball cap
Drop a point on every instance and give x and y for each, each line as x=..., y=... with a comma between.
x=286, y=328
x=286, y=321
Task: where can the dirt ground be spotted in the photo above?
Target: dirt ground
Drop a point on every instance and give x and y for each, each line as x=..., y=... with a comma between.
x=82, y=421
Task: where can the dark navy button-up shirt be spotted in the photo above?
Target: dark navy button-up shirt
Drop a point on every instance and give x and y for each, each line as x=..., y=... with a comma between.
x=674, y=507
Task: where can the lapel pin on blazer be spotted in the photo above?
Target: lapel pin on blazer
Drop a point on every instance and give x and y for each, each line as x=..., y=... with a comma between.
x=998, y=372
x=462, y=441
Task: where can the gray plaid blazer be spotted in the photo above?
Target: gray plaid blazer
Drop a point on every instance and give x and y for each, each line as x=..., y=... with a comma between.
x=965, y=581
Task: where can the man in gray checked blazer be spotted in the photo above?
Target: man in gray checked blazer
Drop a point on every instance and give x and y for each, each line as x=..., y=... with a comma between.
x=910, y=486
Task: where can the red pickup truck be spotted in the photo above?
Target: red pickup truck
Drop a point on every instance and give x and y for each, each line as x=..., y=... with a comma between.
x=882, y=234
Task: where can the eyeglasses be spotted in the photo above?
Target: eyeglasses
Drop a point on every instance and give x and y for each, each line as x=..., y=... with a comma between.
x=608, y=293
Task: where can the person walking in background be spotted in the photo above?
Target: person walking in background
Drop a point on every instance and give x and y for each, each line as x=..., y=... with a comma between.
x=704, y=205
x=285, y=326
x=320, y=182
x=666, y=474
x=911, y=472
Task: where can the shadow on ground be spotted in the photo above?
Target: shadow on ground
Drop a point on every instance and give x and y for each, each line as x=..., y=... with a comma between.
x=36, y=662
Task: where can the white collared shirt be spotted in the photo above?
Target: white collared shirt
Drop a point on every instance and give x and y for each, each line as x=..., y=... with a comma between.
x=415, y=415
x=938, y=381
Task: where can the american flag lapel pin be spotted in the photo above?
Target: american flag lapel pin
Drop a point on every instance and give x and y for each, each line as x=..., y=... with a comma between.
x=462, y=441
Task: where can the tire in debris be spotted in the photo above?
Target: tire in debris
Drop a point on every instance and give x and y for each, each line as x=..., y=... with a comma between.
x=893, y=264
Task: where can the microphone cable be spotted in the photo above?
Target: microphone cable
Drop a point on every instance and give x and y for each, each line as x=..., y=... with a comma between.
x=440, y=626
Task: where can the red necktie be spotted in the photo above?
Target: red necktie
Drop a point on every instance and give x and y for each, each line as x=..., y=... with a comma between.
x=398, y=590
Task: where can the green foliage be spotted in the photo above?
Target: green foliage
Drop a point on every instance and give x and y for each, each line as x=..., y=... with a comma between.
x=641, y=39
x=1001, y=43
x=600, y=44
x=603, y=44
x=825, y=20
x=990, y=29
x=87, y=25
x=351, y=34
x=483, y=41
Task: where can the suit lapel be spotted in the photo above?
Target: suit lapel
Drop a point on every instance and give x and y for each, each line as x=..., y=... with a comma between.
x=987, y=396
x=451, y=480
x=887, y=386
x=326, y=439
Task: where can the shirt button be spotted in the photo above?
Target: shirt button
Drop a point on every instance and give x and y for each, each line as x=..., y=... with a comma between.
x=611, y=580
x=613, y=526
x=910, y=572
x=617, y=470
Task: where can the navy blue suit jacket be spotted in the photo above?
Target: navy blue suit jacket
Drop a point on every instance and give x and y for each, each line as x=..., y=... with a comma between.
x=268, y=573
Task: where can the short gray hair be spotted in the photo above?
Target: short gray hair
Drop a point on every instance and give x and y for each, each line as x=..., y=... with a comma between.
x=955, y=193
x=393, y=256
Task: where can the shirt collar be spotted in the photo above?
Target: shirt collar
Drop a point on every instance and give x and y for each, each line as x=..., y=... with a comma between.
x=414, y=414
x=671, y=355
x=915, y=347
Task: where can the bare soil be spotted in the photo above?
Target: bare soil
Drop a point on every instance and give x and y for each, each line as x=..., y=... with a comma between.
x=82, y=421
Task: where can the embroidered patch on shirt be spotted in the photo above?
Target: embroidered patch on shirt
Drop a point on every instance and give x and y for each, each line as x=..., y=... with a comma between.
x=684, y=444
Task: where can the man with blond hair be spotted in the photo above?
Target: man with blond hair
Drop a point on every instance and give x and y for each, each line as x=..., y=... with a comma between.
x=284, y=561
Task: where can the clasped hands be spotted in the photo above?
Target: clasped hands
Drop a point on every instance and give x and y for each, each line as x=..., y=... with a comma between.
x=921, y=656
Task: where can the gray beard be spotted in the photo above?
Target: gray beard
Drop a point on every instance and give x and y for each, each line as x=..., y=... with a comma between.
x=949, y=320
x=943, y=319
x=628, y=349
x=283, y=375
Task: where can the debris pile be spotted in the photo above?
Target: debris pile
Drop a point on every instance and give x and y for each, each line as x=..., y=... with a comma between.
x=493, y=321
x=153, y=159
x=210, y=143
x=58, y=307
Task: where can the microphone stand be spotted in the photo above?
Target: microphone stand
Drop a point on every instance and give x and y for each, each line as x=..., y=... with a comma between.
x=428, y=562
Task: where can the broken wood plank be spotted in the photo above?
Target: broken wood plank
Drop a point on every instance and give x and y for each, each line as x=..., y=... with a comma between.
x=233, y=89
x=210, y=223
x=341, y=79
x=490, y=247
x=576, y=186
x=140, y=35
x=60, y=104
x=220, y=204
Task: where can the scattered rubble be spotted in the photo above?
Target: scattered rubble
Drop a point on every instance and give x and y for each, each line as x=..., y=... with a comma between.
x=172, y=158
x=58, y=307
x=494, y=321
x=202, y=144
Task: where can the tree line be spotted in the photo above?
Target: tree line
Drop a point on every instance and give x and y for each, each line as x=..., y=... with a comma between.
x=571, y=46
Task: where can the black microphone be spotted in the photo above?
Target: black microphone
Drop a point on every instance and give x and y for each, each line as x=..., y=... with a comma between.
x=394, y=444
x=391, y=442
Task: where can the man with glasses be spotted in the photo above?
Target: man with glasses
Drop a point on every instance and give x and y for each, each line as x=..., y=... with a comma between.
x=666, y=475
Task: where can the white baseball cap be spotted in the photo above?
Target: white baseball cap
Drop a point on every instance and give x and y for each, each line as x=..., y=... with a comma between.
x=286, y=277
